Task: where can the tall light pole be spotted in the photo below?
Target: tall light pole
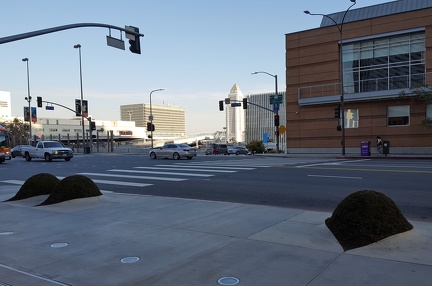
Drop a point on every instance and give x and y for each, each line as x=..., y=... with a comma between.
x=276, y=110
x=130, y=115
x=29, y=98
x=342, y=99
x=151, y=115
x=78, y=46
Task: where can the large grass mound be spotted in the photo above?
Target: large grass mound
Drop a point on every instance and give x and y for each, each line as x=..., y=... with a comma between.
x=366, y=217
x=73, y=187
x=37, y=185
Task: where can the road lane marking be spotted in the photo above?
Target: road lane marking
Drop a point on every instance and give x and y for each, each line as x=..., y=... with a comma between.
x=335, y=177
x=184, y=168
x=160, y=173
x=133, y=177
x=107, y=182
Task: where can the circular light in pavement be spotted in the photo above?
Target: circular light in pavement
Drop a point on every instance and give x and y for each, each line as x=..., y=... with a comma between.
x=228, y=281
x=129, y=260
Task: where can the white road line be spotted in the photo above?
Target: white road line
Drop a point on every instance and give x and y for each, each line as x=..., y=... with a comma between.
x=133, y=177
x=186, y=169
x=336, y=177
x=120, y=183
x=13, y=182
x=160, y=173
x=225, y=167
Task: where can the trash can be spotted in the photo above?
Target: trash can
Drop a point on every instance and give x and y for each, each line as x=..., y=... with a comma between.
x=386, y=147
x=86, y=150
x=365, y=148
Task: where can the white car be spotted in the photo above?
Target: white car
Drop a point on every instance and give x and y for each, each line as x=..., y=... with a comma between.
x=173, y=151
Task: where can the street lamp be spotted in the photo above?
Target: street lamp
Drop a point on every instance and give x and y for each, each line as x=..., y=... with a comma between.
x=151, y=116
x=78, y=46
x=130, y=115
x=29, y=98
x=342, y=100
x=276, y=110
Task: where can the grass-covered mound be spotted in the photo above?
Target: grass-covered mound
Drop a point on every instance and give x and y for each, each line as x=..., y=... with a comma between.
x=37, y=185
x=73, y=187
x=366, y=217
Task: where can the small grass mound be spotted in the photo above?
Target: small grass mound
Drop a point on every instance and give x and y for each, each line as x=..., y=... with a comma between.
x=366, y=217
x=37, y=185
x=72, y=187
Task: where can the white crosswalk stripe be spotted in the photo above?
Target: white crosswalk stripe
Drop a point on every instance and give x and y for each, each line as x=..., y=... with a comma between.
x=143, y=176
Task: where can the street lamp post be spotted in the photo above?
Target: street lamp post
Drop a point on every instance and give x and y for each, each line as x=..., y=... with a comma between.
x=28, y=99
x=78, y=46
x=151, y=115
x=130, y=115
x=276, y=110
x=342, y=99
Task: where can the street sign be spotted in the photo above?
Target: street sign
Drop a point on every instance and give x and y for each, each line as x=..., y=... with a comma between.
x=234, y=104
x=49, y=107
x=276, y=99
x=282, y=129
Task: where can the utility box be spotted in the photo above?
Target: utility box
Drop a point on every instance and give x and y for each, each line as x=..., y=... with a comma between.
x=365, y=148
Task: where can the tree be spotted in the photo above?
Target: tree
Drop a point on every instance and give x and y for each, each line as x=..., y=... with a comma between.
x=423, y=93
x=256, y=147
x=18, y=130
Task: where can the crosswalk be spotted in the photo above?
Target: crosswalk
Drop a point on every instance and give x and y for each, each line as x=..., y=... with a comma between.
x=144, y=176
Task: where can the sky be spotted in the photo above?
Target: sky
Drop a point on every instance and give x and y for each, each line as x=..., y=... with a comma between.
x=196, y=50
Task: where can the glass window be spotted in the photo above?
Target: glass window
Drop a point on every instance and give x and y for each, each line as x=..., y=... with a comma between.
x=429, y=111
x=382, y=64
x=351, y=118
x=398, y=115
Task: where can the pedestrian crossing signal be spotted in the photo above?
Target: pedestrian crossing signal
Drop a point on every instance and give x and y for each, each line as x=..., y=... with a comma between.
x=221, y=105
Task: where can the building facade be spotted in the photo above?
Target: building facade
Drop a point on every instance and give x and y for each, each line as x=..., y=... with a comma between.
x=5, y=105
x=235, y=116
x=260, y=120
x=386, y=50
x=169, y=121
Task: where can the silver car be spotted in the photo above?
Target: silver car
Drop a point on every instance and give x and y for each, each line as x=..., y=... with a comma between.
x=238, y=150
x=174, y=151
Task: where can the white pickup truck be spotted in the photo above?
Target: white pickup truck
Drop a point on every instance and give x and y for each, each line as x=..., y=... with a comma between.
x=47, y=150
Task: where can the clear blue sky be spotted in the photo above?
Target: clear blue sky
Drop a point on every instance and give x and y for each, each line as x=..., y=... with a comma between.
x=195, y=49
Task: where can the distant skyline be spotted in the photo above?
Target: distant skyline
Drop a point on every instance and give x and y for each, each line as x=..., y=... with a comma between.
x=195, y=50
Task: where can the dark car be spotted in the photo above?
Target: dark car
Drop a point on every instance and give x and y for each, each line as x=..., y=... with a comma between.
x=220, y=149
x=16, y=151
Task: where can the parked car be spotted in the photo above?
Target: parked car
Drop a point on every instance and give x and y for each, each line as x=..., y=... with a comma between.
x=238, y=150
x=16, y=151
x=220, y=149
x=2, y=157
x=174, y=151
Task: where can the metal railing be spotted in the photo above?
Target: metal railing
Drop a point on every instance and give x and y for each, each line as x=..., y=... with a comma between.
x=370, y=85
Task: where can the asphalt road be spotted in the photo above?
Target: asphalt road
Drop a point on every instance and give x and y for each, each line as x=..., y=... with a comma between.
x=302, y=182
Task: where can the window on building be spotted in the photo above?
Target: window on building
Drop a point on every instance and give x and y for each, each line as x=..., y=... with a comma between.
x=429, y=111
x=351, y=118
x=398, y=115
x=395, y=62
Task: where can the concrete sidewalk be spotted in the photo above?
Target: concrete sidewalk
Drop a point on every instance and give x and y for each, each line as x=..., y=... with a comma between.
x=119, y=239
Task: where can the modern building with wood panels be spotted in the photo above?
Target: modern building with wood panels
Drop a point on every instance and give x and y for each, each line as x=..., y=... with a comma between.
x=386, y=50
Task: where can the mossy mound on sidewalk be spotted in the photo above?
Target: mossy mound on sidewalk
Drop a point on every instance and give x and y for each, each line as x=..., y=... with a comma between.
x=366, y=217
x=73, y=187
x=36, y=185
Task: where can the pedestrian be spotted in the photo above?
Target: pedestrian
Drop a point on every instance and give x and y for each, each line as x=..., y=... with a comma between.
x=379, y=144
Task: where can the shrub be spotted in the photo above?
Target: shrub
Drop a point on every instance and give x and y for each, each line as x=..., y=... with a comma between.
x=366, y=217
x=73, y=187
x=36, y=185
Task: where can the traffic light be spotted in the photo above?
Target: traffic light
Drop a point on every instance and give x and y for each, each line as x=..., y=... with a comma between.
x=93, y=125
x=277, y=133
x=150, y=127
x=276, y=120
x=134, y=40
x=337, y=112
x=39, y=101
x=245, y=103
x=221, y=105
